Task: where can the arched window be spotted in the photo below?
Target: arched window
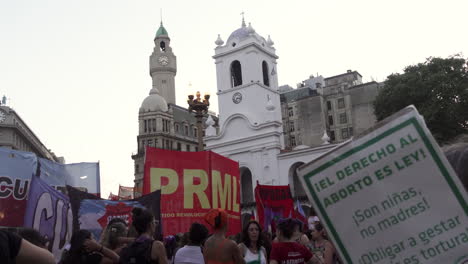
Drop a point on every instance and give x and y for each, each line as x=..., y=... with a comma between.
x=162, y=45
x=266, y=80
x=236, y=73
x=294, y=182
x=247, y=195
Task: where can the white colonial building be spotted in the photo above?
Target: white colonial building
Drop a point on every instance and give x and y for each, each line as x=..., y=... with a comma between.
x=250, y=120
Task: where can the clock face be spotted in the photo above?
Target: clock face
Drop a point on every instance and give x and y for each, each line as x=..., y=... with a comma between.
x=2, y=116
x=237, y=98
x=163, y=60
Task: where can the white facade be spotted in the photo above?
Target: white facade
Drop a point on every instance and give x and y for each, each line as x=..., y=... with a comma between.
x=250, y=121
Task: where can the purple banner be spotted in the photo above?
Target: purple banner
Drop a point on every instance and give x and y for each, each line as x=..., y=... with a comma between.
x=48, y=211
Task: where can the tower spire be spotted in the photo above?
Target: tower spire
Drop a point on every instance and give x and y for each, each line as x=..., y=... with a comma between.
x=243, y=21
x=160, y=15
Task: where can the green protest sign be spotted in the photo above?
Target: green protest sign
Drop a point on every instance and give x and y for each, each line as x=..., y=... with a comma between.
x=390, y=196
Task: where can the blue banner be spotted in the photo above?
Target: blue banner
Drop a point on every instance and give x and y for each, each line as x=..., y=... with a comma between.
x=16, y=169
x=83, y=176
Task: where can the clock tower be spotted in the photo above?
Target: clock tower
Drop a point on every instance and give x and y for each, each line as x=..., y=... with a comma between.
x=163, y=65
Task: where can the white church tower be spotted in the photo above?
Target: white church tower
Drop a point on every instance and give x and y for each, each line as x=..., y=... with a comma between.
x=249, y=107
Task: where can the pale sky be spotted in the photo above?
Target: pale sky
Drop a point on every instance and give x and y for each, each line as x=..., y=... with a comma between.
x=77, y=71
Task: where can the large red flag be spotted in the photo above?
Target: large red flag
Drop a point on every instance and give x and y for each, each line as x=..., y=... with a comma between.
x=273, y=202
x=191, y=184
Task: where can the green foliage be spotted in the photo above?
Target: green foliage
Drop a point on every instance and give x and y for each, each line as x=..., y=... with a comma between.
x=439, y=90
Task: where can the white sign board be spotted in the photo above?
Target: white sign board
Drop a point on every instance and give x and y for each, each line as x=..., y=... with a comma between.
x=391, y=196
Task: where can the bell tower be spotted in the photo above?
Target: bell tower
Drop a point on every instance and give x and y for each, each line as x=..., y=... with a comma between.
x=163, y=65
x=246, y=76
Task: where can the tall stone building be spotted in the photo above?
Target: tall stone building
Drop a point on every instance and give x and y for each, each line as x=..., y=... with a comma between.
x=162, y=123
x=16, y=134
x=341, y=105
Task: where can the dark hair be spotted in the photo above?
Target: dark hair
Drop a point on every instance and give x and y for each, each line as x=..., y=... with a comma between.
x=77, y=252
x=286, y=227
x=33, y=236
x=117, y=220
x=141, y=219
x=170, y=244
x=112, y=233
x=246, y=238
x=198, y=233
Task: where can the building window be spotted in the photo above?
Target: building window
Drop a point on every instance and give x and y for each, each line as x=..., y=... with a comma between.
x=329, y=105
x=150, y=142
x=176, y=128
x=343, y=119
x=293, y=141
x=195, y=134
x=179, y=146
x=330, y=120
x=146, y=126
x=236, y=73
x=163, y=81
x=291, y=126
x=341, y=103
x=137, y=168
x=344, y=133
x=154, y=124
x=266, y=80
x=332, y=135
x=318, y=85
x=350, y=131
x=290, y=111
x=196, y=148
x=187, y=147
x=186, y=130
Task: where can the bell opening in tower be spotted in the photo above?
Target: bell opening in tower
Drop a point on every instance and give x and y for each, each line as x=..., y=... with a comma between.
x=236, y=73
x=162, y=46
x=266, y=79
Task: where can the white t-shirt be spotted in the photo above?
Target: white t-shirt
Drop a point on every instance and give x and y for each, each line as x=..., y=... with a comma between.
x=189, y=255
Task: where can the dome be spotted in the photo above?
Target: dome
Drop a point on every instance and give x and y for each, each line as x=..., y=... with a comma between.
x=161, y=31
x=244, y=33
x=154, y=102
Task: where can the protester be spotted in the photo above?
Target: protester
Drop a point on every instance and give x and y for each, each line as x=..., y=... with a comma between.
x=170, y=244
x=85, y=250
x=268, y=238
x=144, y=249
x=114, y=235
x=323, y=250
x=218, y=249
x=192, y=252
x=298, y=236
x=286, y=250
x=14, y=249
x=252, y=243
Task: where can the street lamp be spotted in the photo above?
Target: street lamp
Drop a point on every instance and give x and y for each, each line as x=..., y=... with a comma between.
x=200, y=107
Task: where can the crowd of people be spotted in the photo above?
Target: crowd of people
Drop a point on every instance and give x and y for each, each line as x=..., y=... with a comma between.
x=134, y=244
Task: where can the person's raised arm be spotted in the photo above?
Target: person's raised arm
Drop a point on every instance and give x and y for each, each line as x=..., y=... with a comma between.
x=29, y=253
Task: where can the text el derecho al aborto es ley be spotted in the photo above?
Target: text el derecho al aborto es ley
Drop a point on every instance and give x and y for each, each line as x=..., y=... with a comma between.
x=390, y=162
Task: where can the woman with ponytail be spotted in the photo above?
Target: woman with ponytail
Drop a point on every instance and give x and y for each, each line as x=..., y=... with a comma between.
x=218, y=249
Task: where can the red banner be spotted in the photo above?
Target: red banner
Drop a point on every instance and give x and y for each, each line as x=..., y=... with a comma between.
x=191, y=184
x=273, y=202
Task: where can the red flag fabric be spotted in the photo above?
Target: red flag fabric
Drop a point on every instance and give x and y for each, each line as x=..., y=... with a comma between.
x=191, y=184
x=273, y=202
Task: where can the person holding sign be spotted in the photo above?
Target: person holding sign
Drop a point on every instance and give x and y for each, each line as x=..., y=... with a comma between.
x=323, y=250
x=287, y=250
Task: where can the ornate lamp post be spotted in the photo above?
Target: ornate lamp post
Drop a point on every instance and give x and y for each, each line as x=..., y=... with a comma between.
x=200, y=107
